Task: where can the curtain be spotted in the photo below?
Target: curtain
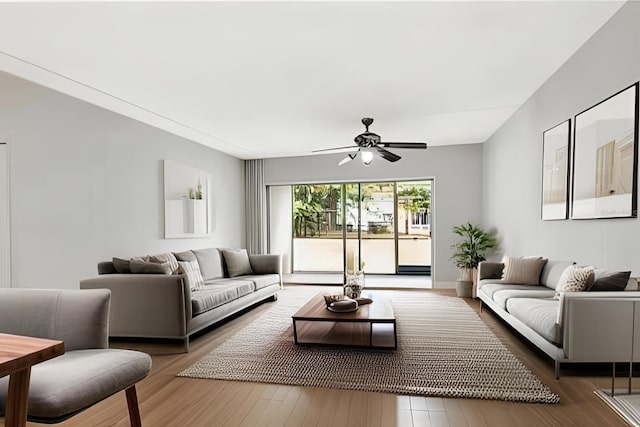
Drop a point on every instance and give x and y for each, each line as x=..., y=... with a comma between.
x=255, y=206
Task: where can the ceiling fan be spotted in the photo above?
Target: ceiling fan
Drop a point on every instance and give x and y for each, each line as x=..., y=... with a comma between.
x=369, y=143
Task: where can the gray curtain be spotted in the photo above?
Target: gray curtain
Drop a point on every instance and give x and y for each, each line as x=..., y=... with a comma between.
x=255, y=206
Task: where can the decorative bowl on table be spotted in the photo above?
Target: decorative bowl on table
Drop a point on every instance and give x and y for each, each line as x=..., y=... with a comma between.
x=340, y=304
x=328, y=299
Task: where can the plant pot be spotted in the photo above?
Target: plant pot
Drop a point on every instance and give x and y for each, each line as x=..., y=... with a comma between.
x=464, y=288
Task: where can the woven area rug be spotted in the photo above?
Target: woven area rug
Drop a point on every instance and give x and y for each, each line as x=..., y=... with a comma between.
x=444, y=349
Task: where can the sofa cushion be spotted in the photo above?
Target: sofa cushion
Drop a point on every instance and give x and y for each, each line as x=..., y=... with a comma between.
x=538, y=314
x=122, y=266
x=575, y=278
x=237, y=261
x=552, y=271
x=167, y=257
x=522, y=271
x=605, y=280
x=185, y=256
x=192, y=271
x=210, y=263
x=143, y=266
x=264, y=280
x=501, y=296
x=219, y=293
x=244, y=286
x=490, y=289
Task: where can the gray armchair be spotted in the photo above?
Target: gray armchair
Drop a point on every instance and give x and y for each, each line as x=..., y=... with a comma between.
x=89, y=371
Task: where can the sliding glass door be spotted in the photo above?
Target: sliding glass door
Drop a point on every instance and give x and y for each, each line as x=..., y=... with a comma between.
x=378, y=227
x=381, y=227
x=414, y=227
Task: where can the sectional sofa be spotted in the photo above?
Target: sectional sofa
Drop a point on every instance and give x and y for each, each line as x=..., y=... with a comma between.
x=175, y=295
x=599, y=324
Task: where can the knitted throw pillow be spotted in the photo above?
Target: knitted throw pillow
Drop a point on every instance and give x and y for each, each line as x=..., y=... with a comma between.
x=575, y=278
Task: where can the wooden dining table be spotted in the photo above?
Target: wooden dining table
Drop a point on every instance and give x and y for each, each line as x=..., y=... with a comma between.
x=17, y=355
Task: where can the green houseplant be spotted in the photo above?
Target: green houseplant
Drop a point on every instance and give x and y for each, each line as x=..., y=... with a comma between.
x=475, y=245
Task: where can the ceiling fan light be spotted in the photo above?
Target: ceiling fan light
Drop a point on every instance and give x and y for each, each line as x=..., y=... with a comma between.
x=367, y=157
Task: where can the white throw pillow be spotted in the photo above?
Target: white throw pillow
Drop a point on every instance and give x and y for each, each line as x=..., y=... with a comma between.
x=194, y=276
x=576, y=278
x=522, y=271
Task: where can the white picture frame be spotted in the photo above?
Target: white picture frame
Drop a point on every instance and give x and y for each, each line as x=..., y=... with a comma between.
x=187, y=201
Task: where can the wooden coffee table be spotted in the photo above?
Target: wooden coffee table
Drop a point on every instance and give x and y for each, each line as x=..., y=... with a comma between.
x=372, y=325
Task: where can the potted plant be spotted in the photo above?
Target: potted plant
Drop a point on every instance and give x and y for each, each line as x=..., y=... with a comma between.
x=474, y=247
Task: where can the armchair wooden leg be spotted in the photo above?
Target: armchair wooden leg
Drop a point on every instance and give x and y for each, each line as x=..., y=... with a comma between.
x=134, y=410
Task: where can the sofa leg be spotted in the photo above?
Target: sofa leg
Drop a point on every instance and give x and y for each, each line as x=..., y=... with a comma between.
x=480, y=306
x=186, y=345
x=134, y=409
x=274, y=297
x=557, y=370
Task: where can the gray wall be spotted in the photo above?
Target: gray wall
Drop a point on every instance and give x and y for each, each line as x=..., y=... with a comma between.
x=87, y=185
x=457, y=196
x=512, y=172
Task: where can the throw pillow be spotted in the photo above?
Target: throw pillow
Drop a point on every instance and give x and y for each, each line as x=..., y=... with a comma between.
x=192, y=271
x=575, y=278
x=185, y=256
x=122, y=266
x=605, y=280
x=166, y=258
x=237, y=261
x=522, y=271
x=143, y=266
x=210, y=262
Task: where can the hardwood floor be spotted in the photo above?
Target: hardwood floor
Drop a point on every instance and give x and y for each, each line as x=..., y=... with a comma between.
x=166, y=400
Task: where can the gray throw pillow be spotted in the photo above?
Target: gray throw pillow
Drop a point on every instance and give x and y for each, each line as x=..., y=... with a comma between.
x=210, y=262
x=122, y=266
x=237, y=261
x=142, y=266
x=185, y=256
x=609, y=280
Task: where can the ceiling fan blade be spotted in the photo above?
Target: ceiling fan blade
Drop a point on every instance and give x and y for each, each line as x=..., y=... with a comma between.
x=421, y=145
x=387, y=155
x=347, y=159
x=337, y=149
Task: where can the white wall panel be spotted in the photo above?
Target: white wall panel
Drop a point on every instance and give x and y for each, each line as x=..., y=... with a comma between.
x=87, y=186
x=512, y=166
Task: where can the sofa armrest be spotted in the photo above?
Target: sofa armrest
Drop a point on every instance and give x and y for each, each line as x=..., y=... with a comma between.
x=490, y=270
x=146, y=305
x=601, y=326
x=266, y=264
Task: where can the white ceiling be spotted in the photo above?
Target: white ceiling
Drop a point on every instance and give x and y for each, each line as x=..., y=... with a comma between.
x=267, y=79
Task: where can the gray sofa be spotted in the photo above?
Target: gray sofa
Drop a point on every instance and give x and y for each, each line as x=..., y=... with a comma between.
x=167, y=306
x=570, y=327
x=88, y=371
